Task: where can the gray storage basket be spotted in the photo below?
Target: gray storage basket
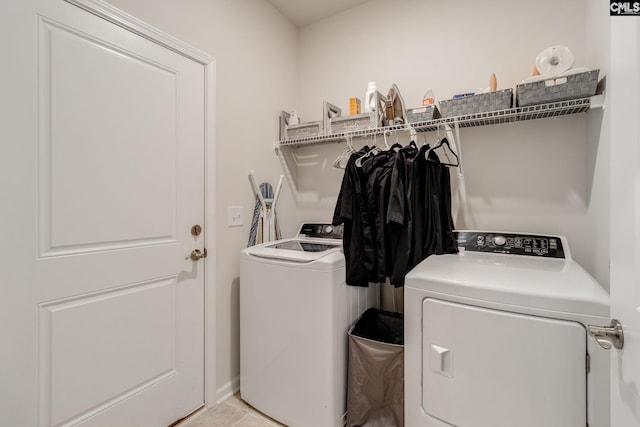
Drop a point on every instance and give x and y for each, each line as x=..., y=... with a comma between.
x=573, y=86
x=422, y=114
x=356, y=122
x=480, y=103
x=352, y=123
x=301, y=130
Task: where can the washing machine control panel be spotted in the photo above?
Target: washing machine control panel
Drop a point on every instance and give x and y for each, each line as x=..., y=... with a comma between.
x=511, y=244
x=322, y=231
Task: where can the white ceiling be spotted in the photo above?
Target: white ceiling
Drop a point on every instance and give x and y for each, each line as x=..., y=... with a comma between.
x=304, y=12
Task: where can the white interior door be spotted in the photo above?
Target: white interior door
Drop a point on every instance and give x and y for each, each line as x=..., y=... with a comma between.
x=103, y=178
x=624, y=100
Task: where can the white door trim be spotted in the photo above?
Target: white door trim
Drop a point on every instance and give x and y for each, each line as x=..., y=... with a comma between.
x=124, y=20
x=624, y=104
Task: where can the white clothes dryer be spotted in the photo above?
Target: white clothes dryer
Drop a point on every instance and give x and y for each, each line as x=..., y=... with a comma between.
x=295, y=313
x=496, y=336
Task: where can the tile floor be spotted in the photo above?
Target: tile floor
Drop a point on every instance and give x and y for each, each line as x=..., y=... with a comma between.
x=234, y=412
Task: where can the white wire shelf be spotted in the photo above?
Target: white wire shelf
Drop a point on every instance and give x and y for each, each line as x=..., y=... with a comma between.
x=510, y=115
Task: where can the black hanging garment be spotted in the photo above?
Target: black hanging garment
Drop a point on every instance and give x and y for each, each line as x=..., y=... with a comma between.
x=396, y=210
x=379, y=191
x=438, y=234
x=352, y=210
x=400, y=213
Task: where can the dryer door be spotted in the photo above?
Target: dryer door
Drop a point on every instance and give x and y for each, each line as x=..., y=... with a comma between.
x=484, y=367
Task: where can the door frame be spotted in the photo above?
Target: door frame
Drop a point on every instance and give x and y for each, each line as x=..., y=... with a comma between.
x=136, y=26
x=624, y=104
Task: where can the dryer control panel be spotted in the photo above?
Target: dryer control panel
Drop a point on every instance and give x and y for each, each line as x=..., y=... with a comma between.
x=511, y=243
x=321, y=231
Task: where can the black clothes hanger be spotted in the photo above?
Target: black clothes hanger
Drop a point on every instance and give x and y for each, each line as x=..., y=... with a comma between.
x=395, y=147
x=445, y=142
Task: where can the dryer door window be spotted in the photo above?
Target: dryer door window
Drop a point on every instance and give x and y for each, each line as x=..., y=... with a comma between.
x=484, y=367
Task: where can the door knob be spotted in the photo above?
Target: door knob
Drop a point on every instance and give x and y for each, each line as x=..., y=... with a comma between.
x=196, y=254
x=608, y=336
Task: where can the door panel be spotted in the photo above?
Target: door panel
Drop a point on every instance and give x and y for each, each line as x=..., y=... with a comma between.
x=136, y=347
x=107, y=151
x=123, y=192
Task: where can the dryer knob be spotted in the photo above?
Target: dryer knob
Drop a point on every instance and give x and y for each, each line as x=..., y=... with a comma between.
x=499, y=240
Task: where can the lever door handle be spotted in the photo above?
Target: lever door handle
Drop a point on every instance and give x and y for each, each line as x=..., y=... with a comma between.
x=196, y=254
x=608, y=336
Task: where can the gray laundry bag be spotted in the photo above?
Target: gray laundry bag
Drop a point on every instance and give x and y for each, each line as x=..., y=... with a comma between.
x=375, y=383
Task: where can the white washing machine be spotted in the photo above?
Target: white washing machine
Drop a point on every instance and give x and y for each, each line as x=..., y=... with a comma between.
x=295, y=313
x=495, y=336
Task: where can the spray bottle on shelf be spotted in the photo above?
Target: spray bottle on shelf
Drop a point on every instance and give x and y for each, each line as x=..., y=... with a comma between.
x=428, y=98
x=370, y=98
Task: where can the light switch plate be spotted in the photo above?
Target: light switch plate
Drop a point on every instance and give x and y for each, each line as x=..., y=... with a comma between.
x=235, y=216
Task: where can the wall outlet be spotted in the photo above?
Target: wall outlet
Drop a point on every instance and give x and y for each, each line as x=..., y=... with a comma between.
x=235, y=216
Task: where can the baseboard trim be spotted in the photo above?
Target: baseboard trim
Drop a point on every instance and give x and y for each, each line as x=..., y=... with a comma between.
x=228, y=390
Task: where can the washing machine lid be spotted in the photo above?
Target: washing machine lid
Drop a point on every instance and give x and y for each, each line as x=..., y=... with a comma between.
x=314, y=242
x=538, y=282
x=299, y=250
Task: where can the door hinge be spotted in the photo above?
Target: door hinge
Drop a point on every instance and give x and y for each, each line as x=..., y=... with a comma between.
x=588, y=363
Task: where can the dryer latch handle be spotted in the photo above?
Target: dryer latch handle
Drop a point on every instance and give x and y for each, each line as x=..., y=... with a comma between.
x=608, y=336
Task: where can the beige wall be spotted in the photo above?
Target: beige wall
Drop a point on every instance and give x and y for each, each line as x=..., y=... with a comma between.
x=256, y=75
x=546, y=176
